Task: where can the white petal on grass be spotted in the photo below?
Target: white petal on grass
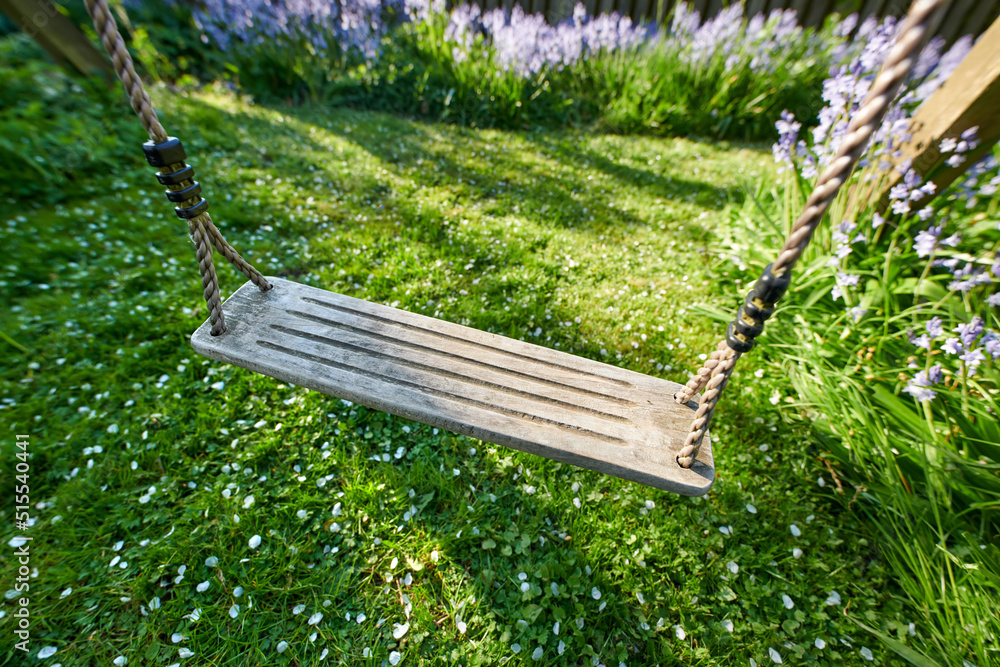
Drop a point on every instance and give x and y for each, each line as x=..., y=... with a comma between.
x=751, y=509
x=796, y=552
x=302, y=514
x=114, y=561
x=247, y=502
x=795, y=530
x=326, y=652
x=833, y=599
x=775, y=656
x=361, y=618
x=562, y=647
x=47, y=652
x=733, y=567
x=461, y=625
x=820, y=644
x=727, y=624
x=298, y=609
x=395, y=657
x=234, y=611
x=203, y=586
x=594, y=593
x=866, y=653
x=65, y=593
x=255, y=541
x=679, y=631
x=400, y=630
x=238, y=591
x=316, y=618
x=119, y=661
x=282, y=646
x=118, y=545
x=211, y=561
x=185, y=653
x=154, y=603
x=177, y=638
x=537, y=653
x=516, y=648
x=787, y=601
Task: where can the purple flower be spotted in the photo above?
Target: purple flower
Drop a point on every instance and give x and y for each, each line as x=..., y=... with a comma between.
x=991, y=343
x=935, y=327
x=972, y=359
x=918, y=387
x=926, y=241
x=970, y=332
x=952, y=346
x=788, y=134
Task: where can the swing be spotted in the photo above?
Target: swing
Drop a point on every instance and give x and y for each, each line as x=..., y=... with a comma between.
x=504, y=391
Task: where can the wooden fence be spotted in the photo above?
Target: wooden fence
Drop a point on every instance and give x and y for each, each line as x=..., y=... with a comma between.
x=964, y=16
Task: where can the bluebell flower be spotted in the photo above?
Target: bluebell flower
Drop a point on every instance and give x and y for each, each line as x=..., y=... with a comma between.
x=969, y=332
x=926, y=242
x=919, y=386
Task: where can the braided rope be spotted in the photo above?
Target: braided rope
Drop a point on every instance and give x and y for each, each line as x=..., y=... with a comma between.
x=203, y=231
x=209, y=280
x=111, y=38
x=715, y=373
x=233, y=257
x=700, y=379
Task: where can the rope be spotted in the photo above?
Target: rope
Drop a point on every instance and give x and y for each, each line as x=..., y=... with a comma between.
x=111, y=38
x=715, y=374
x=204, y=234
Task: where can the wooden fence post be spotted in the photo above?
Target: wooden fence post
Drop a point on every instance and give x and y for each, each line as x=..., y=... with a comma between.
x=68, y=46
x=970, y=97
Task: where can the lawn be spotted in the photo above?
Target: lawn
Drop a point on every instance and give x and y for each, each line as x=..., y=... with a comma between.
x=188, y=512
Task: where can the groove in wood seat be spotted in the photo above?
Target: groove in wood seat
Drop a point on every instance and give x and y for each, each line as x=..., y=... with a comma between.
x=483, y=385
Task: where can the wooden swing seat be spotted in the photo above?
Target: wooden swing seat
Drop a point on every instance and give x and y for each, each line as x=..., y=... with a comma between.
x=483, y=385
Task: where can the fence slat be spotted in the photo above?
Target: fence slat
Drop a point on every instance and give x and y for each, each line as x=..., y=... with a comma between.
x=640, y=10
x=871, y=7
x=964, y=16
x=818, y=13
x=755, y=7
x=800, y=7
x=979, y=18
x=952, y=22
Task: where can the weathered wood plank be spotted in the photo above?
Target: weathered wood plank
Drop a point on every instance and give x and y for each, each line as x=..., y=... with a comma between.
x=497, y=389
x=970, y=97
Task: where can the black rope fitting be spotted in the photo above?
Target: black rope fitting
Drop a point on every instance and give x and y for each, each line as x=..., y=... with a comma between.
x=757, y=308
x=183, y=189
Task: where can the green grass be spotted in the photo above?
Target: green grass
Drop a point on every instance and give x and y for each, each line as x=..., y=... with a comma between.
x=597, y=245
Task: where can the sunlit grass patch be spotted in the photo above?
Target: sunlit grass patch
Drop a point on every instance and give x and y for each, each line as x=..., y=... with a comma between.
x=370, y=538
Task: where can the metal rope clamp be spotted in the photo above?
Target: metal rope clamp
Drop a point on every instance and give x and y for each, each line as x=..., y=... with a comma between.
x=179, y=179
